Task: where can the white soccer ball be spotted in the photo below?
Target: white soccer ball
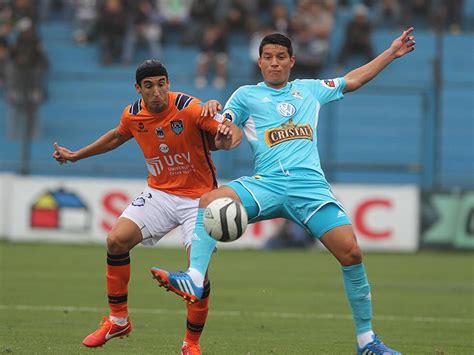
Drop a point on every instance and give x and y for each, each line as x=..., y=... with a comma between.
x=225, y=219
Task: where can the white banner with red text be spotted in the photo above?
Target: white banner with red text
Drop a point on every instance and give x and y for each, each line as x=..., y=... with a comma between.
x=65, y=209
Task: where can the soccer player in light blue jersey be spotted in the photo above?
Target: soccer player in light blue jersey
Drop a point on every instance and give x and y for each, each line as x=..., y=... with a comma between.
x=279, y=119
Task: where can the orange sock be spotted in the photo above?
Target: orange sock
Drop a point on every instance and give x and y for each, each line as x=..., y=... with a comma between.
x=118, y=276
x=197, y=314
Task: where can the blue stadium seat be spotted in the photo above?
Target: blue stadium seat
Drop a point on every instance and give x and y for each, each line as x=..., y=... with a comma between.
x=457, y=143
x=414, y=70
x=458, y=59
x=373, y=128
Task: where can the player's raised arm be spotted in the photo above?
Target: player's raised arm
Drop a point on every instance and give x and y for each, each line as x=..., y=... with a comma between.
x=360, y=76
x=109, y=141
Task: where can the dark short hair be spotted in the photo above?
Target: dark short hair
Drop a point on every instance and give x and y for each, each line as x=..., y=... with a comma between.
x=276, y=38
x=150, y=67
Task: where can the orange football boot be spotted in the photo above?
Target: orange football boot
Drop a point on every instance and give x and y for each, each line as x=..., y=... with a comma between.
x=107, y=330
x=190, y=349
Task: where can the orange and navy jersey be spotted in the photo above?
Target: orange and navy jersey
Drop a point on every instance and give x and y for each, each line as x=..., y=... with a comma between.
x=174, y=144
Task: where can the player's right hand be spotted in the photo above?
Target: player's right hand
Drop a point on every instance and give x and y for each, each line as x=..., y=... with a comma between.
x=62, y=155
x=211, y=108
x=403, y=44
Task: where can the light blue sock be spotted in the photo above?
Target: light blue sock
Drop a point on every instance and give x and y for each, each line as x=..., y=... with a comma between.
x=358, y=293
x=202, y=246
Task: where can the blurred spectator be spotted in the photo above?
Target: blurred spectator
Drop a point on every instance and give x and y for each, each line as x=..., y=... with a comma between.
x=291, y=236
x=254, y=45
x=311, y=27
x=5, y=18
x=260, y=9
x=55, y=9
x=24, y=9
x=25, y=75
x=416, y=13
x=144, y=26
x=202, y=12
x=175, y=17
x=280, y=19
x=213, y=51
x=174, y=12
x=241, y=15
x=111, y=29
x=358, y=37
x=44, y=8
x=3, y=62
x=68, y=9
x=85, y=16
x=388, y=14
x=453, y=14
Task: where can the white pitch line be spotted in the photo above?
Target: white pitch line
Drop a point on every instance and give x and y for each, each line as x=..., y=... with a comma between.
x=217, y=313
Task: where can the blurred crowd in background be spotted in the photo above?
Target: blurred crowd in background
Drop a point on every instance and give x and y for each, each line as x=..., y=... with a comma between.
x=117, y=27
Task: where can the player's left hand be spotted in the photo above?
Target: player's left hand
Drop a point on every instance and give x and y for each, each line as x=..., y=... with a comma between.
x=223, y=138
x=211, y=108
x=224, y=129
x=403, y=44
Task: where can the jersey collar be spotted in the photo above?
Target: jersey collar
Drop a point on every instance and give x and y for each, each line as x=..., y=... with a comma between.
x=285, y=89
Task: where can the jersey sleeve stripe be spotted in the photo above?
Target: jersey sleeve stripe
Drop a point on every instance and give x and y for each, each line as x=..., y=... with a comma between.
x=135, y=108
x=188, y=101
x=177, y=99
x=183, y=101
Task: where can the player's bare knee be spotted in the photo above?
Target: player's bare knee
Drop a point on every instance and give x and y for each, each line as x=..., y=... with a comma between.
x=223, y=191
x=116, y=244
x=352, y=256
x=206, y=199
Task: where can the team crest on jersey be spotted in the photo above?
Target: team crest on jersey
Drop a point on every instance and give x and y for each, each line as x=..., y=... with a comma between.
x=138, y=202
x=177, y=126
x=286, y=109
x=164, y=148
x=330, y=83
x=288, y=131
x=160, y=132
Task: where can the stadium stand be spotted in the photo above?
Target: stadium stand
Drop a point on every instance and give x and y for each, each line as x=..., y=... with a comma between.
x=395, y=113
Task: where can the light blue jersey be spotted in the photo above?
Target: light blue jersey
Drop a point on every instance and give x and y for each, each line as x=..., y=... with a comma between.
x=280, y=124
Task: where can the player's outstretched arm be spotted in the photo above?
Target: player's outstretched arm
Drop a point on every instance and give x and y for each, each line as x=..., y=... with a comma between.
x=360, y=76
x=109, y=141
x=228, y=136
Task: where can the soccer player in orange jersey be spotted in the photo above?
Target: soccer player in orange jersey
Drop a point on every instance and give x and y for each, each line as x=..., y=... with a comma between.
x=175, y=133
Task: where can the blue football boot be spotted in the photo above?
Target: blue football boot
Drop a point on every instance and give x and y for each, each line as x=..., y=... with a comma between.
x=179, y=283
x=376, y=347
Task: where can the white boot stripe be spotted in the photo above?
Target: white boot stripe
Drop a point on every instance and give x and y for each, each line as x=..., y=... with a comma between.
x=191, y=291
x=184, y=286
x=180, y=284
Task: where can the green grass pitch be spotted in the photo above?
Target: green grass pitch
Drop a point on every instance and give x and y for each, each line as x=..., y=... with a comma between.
x=285, y=302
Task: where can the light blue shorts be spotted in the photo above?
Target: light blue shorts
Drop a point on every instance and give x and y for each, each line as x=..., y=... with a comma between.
x=303, y=198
